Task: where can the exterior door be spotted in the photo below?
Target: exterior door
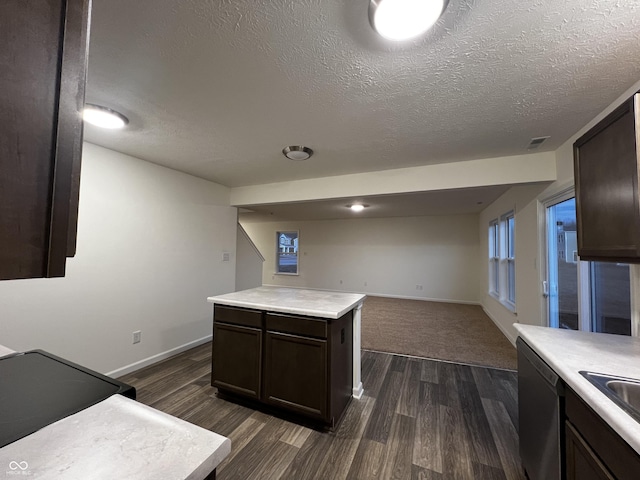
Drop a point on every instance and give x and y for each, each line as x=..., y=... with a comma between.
x=590, y=296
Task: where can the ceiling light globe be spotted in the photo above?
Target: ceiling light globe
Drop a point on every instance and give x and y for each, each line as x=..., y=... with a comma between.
x=404, y=19
x=357, y=208
x=297, y=152
x=103, y=117
x=296, y=155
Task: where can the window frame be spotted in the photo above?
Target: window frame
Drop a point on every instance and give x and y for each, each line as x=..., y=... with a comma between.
x=296, y=247
x=494, y=258
x=502, y=259
x=508, y=295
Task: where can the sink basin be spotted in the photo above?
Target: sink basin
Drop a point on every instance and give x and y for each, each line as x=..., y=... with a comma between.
x=625, y=392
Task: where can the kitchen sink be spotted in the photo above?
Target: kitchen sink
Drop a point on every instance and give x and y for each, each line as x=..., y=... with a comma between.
x=625, y=392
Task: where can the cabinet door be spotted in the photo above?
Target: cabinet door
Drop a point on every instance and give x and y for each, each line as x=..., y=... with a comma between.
x=582, y=462
x=43, y=53
x=606, y=179
x=295, y=374
x=237, y=359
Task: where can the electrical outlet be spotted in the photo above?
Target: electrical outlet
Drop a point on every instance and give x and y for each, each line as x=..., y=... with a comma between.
x=226, y=256
x=340, y=282
x=365, y=284
x=418, y=287
x=137, y=336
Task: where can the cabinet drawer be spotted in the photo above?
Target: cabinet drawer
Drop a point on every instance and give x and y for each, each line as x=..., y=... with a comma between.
x=238, y=316
x=296, y=325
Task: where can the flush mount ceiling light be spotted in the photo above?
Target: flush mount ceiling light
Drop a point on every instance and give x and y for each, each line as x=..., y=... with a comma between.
x=404, y=19
x=357, y=207
x=103, y=117
x=297, y=152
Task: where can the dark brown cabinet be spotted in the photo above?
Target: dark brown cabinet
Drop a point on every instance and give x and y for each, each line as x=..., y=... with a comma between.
x=43, y=55
x=237, y=353
x=582, y=462
x=298, y=364
x=592, y=449
x=237, y=359
x=606, y=173
x=296, y=373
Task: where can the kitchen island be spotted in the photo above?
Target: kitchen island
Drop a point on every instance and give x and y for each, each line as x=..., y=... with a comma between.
x=293, y=349
x=117, y=438
x=62, y=421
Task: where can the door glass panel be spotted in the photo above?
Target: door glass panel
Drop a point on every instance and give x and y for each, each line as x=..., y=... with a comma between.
x=610, y=298
x=562, y=265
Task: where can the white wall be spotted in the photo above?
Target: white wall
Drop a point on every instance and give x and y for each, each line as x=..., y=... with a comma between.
x=516, y=170
x=523, y=200
x=248, y=262
x=150, y=243
x=383, y=256
x=530, y=304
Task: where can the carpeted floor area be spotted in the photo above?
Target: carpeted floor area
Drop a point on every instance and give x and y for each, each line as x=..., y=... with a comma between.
x=444, y=331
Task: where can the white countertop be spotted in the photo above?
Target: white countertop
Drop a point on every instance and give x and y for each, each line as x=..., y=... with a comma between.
x=568, y=352
x=116, y=438
x=5, y=351
x=314, y=303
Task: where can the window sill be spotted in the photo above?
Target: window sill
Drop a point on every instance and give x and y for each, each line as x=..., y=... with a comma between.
x=285, y=273
x=505, y=303
x=509, y=306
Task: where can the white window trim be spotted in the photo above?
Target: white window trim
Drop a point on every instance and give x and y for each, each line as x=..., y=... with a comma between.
x=562, y=194
x=501, y=283
x=505, y=260
x=278, y=233
x=494, y=246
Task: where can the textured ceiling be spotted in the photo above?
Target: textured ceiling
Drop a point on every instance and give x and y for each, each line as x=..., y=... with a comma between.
x=217, y=88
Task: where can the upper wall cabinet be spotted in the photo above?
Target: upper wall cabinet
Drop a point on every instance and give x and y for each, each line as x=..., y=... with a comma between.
x=43, y=58
x=606, y=177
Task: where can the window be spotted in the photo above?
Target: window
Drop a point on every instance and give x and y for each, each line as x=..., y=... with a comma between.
x=494, y=258
x=508, y=224
x=287, y=253
x=581, y=295
x=502, y=260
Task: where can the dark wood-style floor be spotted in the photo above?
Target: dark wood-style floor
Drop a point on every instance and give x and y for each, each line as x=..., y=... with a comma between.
x=418, y=419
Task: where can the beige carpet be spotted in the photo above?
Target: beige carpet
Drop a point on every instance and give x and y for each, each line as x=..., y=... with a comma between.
x=444, y=331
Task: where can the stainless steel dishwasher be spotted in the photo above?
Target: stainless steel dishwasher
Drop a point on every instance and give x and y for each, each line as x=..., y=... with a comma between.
x=540, y=411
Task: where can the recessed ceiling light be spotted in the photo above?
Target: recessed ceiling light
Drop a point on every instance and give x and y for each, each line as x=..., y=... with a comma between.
x=103, y=117
x=357, y=207
x=297, y=152
x=404, y=19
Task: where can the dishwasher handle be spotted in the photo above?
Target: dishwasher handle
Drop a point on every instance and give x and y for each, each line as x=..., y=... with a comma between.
x=545, y=371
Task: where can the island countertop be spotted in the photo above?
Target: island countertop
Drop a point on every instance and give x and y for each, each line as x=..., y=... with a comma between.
x=4, y=351
x=117, y=438
x=568, y=352
x=314, y=303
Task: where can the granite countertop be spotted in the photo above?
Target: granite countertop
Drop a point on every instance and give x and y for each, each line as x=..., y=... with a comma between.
x=314, y=303
x=568, y=352
x=116, y=438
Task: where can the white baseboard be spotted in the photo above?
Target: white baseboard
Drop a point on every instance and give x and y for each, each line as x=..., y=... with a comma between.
x=500, y=327
x=119, y=372
x=385, y=295
x=426, y=299
x=358, y=391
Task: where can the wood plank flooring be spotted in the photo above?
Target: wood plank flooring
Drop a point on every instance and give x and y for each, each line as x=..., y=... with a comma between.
x=419, y=419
